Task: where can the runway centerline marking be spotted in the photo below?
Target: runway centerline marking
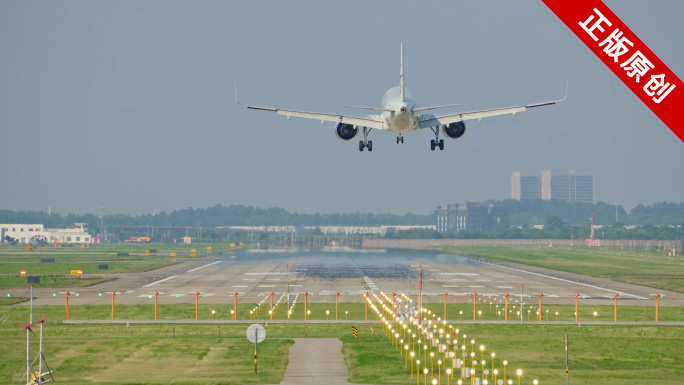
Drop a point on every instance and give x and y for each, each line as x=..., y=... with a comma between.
x=202, y=267
x=160, y=281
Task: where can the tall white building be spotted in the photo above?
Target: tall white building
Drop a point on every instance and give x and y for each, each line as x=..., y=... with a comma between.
x=568, y=186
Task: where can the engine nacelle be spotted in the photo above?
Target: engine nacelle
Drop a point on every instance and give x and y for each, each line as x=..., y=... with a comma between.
x=346, y=131
x=454, y=130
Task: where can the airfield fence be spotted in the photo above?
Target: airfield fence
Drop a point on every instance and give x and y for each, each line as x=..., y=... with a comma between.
x=417, y=244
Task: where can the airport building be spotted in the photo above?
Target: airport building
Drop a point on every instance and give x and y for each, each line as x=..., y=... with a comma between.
x=469, y=216
x=27, y=234
x=568, y=186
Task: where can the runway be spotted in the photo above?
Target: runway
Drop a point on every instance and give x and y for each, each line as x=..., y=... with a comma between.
x=351, y=274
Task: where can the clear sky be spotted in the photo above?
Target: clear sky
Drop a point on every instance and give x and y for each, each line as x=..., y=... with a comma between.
x=129, y=104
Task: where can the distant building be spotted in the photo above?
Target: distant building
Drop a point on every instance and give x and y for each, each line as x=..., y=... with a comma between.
x=26, y=234
x=525, y=186
x=546, y=185
x=469, y=216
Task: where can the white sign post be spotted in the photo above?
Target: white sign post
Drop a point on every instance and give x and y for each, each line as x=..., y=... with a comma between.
x=256, y=333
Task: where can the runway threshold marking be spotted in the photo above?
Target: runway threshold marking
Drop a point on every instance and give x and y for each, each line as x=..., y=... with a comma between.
x=160, y=281
x=566, y=280
x=202, y=267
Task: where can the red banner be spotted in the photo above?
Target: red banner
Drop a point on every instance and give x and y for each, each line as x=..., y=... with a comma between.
x=627, y=56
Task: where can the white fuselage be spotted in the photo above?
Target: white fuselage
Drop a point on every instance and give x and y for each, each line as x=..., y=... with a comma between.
x=401, y=118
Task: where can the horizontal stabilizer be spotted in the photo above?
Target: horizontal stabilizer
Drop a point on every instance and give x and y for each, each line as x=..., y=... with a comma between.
x=435, y=107
x=370, y=108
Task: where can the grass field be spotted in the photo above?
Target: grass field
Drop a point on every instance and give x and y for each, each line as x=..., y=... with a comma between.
x=196, y=354
x=14, y=259
x=641, y=267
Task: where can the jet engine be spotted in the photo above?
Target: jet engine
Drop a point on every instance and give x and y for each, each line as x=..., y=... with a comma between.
x=454, y=130
x=346, y=131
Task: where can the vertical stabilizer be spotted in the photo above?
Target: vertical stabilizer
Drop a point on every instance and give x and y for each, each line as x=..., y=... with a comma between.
x=401, y=74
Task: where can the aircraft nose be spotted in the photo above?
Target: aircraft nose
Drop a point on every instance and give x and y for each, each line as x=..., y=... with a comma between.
x=402, y=110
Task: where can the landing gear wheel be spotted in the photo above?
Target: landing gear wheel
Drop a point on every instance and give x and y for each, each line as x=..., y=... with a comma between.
x=361, y=145
x=433, y=144
x=441, y=145
x=370, y=146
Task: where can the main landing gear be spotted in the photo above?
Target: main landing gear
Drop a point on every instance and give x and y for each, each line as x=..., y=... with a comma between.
x=365, y=143
x=437, y=142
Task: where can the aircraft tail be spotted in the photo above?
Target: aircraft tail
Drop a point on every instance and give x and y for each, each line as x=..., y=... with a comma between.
x=401, y=74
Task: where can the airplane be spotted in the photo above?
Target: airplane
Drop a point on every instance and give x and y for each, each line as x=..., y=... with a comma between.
x=400, y=114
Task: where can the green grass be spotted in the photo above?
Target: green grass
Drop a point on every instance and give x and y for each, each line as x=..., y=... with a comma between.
x=150, y=354
x=642, y=267
x=54, y=281
x=57, y=274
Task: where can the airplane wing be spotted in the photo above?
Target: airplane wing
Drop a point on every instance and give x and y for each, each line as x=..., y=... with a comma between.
x=432, y=121
x=373, y=121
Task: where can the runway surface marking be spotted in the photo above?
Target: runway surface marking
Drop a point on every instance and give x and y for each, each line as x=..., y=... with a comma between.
x=566, y=280
x=271, y=273
x=458, y=274
x=241, y=286
x=160, y=281
x=202, y=267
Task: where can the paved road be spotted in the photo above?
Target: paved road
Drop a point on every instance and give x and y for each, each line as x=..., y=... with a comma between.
x=316, y=361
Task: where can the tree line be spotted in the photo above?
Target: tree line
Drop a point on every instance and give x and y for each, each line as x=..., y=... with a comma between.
x=572, y=219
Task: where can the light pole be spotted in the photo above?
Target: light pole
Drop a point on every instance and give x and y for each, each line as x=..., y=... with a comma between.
x=412, y=354
x=519, y=373
x=432, y=363
x=505, y=363
x=418, y=372
x=213, y=313
x=439, y=370
x=425, y=372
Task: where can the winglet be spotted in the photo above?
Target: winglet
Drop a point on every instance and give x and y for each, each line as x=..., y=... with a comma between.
x=236, y=97
x=567, y=85
x=401, y=73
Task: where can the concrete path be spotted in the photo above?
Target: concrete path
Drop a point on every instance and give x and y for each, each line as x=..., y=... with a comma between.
x=316, y=361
